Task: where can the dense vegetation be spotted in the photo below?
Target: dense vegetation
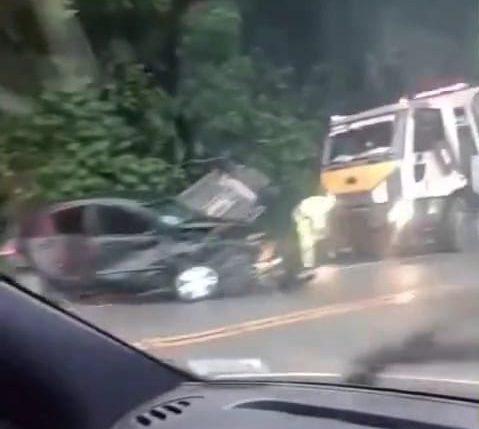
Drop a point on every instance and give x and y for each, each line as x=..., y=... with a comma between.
x=179, y=80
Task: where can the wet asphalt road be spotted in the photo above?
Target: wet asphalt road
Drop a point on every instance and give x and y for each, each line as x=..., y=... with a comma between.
x=422, y=310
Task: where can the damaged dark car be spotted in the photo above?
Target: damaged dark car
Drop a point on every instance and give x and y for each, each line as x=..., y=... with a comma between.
x=205, y=242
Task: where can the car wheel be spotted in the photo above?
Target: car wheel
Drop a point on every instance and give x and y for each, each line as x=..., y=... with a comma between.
x=194, y=282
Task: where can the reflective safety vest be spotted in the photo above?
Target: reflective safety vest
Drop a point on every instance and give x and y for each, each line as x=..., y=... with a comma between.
x=310, y=219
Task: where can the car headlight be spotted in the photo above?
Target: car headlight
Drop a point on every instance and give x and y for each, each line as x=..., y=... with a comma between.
x=380, y=193
x=401, y=213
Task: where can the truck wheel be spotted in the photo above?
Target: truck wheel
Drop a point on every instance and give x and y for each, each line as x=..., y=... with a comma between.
x=452, y=234
x=374, y=248
x=324, y=253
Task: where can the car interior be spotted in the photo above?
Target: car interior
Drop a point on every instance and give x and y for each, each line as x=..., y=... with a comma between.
x=57, y=371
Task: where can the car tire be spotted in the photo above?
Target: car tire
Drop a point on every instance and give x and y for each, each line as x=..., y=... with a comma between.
x=452, y=231
x=195, y=281
x=232, y=267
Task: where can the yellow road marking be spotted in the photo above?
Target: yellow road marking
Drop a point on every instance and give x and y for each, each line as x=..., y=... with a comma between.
x=275, y=321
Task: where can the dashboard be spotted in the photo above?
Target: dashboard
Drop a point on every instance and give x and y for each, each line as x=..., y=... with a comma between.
x=247, y=406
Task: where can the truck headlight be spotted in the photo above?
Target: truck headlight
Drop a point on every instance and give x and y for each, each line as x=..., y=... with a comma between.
x=380, y=193
x=401, y=213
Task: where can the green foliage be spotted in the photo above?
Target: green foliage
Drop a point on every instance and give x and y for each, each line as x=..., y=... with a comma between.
x=147, y=109
x=211, y=33
x=162, y=6
x=243, y=106
x=80, y=142
x=110, y=6
x=123, y=134
x=255, y=116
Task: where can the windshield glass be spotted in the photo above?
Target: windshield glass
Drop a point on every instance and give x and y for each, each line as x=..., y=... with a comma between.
x=362, y=140
x=172, y=213
x=159, y=177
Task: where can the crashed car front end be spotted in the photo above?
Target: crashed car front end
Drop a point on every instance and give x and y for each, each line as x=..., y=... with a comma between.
x=241, y=258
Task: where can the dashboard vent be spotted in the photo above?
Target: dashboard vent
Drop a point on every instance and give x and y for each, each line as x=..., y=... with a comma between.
x=164, y=411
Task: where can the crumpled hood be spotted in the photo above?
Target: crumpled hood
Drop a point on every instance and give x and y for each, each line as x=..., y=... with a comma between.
x=232, y=195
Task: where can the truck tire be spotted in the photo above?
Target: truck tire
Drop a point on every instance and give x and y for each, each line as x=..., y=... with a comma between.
x=452, y=231
x=375, y=247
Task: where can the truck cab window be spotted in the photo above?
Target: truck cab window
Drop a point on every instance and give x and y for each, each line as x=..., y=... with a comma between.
x=464, y=130
x=429, y=130
x=361, y=139
x=475, y=110
x=467, y=145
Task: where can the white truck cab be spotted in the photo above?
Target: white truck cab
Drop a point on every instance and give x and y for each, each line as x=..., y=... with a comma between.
x=403, y=173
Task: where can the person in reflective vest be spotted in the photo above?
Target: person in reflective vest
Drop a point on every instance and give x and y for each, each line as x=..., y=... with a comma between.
x=310, y=219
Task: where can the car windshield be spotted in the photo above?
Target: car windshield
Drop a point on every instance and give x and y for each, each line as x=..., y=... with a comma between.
x=171, y=213
x=175, y=172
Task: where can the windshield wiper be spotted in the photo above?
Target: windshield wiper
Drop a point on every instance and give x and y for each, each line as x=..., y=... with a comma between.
x=375, y=154
x=341, y=159
x=378, y=152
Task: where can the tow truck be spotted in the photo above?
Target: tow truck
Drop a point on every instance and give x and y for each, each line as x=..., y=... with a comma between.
x=403, y=174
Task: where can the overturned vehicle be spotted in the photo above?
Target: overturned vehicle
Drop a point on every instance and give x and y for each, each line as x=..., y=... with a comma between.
x=208, y=241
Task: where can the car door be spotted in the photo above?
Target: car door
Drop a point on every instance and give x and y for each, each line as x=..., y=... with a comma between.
x=58, y=246
x=126, y=240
